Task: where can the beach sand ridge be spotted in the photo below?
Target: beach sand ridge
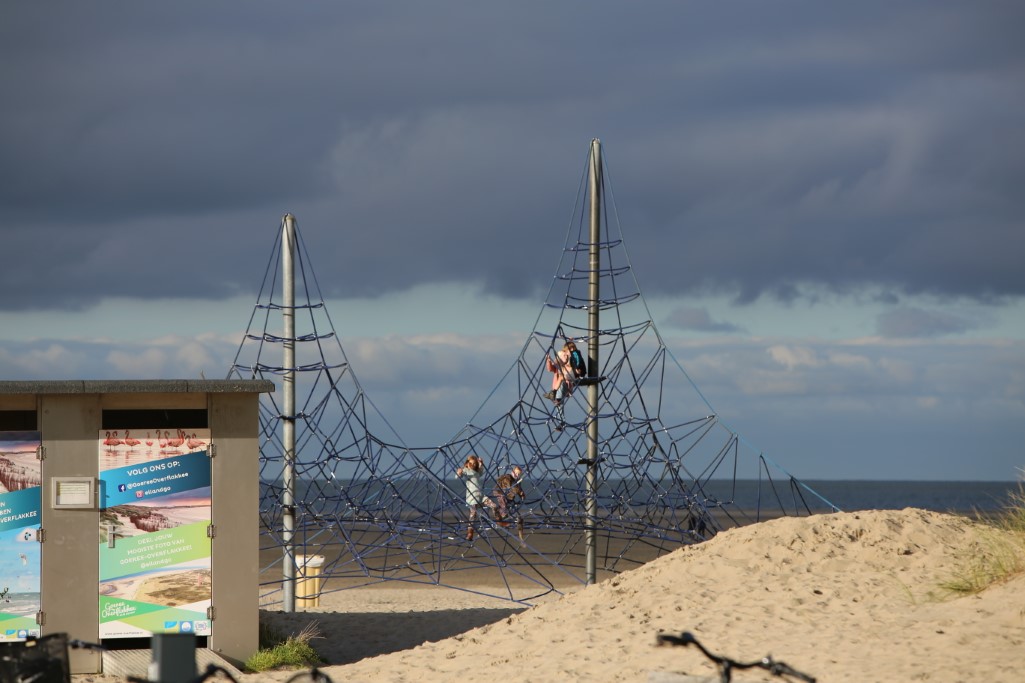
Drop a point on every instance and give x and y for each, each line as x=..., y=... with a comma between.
x=843, y=597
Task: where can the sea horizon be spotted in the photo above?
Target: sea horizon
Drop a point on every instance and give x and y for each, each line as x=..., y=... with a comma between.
x=845, y=495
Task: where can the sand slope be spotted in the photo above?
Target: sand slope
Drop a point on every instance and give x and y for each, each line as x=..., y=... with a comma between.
x=844, y=597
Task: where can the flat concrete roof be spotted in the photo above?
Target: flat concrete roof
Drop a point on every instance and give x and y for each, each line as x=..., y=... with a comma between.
x=138, y=386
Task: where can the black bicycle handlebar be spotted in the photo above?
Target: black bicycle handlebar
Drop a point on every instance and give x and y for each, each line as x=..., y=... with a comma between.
x=314, y=674
x=727, y=665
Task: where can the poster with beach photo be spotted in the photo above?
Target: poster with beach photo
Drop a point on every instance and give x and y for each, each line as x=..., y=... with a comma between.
x=20, y=517
x=154, y=548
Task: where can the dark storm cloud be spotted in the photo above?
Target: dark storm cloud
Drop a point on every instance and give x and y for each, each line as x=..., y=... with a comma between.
x=915, y=322
x=151, y=150
x=697, y=319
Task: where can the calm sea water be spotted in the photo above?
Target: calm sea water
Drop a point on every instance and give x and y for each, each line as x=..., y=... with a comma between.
x=849, y=496
x=962, y=497
x=22, y=604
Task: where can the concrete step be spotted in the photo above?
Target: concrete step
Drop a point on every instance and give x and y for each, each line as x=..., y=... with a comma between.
x=124, y=663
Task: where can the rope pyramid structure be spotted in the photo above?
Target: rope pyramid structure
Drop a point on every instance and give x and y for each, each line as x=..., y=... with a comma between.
x=630, y=464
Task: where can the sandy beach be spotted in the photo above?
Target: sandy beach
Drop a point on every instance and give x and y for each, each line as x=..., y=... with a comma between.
x=842, y=597
x=170, y=588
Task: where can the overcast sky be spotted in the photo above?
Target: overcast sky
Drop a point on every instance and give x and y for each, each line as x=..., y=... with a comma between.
x=823, y=202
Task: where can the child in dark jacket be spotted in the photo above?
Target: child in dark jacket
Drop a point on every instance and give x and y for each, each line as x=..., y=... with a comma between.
x=508, y=493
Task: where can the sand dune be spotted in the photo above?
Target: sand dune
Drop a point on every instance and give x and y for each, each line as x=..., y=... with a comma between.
x=843, y=597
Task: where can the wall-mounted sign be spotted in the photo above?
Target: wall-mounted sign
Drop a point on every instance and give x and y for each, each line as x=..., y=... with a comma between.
x=73, y=492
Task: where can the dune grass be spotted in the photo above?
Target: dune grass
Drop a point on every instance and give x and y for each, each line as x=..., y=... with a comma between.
x=1001, y=556
x=285, y=652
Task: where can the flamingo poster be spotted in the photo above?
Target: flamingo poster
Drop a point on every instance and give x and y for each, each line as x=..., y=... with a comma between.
x=154, y=548
x=20, y=517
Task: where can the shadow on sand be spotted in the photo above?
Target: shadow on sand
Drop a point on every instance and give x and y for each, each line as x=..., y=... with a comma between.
x=345, y=638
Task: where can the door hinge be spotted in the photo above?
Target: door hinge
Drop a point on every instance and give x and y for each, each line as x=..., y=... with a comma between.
x=211, y=530
x=40, y=617
x=40, y=452
x=210, y=612
x=40, y=535
x=211, y=450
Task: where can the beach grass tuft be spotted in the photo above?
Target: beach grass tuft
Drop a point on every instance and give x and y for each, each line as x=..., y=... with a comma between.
x=1002, y=553
x=285, y=652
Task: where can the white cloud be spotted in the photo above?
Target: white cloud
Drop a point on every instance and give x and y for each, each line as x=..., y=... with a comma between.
x=52, y=360
x=147, y=363
x=793, y=357
x=849, y=361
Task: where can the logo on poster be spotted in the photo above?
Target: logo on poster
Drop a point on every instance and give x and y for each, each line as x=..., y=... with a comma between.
x=117, y=609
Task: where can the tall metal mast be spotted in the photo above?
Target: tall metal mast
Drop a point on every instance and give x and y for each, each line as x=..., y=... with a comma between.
x=590, y=535
x=288, y=423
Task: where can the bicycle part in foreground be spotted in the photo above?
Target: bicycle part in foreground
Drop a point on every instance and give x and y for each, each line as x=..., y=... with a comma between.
x=727, y=665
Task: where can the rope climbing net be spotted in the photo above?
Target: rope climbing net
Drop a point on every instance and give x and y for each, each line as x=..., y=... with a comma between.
x=630, y=464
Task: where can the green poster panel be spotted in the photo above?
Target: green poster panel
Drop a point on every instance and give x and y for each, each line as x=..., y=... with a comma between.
x=20, y=517
x=154, y=549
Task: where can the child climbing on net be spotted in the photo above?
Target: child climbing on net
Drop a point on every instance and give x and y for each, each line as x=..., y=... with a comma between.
x=508, y=494
x=471, y=471
x=567, y=368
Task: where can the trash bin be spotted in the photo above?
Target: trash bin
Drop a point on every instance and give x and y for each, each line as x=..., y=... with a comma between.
x=307, y=580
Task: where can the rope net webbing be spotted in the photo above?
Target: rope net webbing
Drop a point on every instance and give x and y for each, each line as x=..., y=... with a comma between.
x=670, y=473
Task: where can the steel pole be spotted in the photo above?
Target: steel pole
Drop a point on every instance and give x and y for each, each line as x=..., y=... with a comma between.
x=590, y=524
x=288, y=422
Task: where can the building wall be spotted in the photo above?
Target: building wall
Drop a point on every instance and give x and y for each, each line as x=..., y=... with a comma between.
x=69, y=579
